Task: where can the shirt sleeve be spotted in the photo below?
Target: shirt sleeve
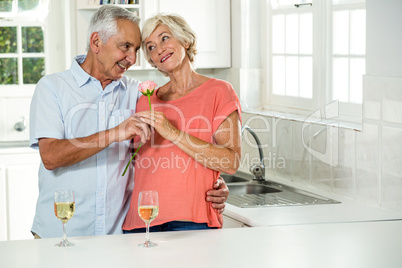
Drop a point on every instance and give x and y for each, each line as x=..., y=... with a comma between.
x=226, y=102
x=46, y=119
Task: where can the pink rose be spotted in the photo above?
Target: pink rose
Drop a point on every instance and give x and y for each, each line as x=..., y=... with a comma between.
x=147, y=88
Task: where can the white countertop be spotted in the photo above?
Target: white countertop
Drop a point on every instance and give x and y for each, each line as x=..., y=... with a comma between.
x=347, y=211
x=365, y=244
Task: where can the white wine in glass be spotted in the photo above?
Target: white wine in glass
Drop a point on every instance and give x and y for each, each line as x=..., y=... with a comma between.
x=148, y=209
x=64, y=208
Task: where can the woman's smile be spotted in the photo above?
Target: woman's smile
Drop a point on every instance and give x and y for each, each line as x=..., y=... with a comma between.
x=166, y=57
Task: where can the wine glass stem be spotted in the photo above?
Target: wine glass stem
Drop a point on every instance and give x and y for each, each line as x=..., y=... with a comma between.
x=147, y=233
x=64, y=232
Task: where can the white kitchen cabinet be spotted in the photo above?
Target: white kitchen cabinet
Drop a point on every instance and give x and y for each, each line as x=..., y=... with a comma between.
x=210, y=20
x=18, y=192
x=14, y=115
x=229, y=222
x=3, y=204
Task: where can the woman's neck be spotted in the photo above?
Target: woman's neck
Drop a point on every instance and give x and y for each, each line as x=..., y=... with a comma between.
x=181, y=83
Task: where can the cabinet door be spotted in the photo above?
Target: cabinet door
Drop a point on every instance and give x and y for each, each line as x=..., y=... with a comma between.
x=210, y=19
x=15, y=110
x=3, y=204
x=22, y=186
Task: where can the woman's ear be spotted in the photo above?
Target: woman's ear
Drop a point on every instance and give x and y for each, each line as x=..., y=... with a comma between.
x=95, y=42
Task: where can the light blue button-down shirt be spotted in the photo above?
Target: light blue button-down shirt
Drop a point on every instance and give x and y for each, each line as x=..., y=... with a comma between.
x=69, y=105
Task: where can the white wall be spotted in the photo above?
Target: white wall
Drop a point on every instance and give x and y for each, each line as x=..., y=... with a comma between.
x=59, y=36
x=384, y=37
x=246, y=74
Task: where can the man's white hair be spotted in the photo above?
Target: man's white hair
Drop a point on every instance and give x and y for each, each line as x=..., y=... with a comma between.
x=104, y=21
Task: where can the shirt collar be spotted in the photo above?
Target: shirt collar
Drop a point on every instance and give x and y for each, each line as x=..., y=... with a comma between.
x=83, y=77
x=79, y=74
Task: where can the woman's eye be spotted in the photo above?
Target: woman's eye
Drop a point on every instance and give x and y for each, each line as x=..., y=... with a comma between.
x=164, y=38
x=150, y=48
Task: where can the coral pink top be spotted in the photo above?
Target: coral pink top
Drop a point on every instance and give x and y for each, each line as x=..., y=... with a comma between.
x=160, y=165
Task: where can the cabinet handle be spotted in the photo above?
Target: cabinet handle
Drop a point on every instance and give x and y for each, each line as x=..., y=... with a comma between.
x=20, y=126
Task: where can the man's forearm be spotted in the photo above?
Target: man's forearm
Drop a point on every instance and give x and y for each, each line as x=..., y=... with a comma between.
x=57, y=153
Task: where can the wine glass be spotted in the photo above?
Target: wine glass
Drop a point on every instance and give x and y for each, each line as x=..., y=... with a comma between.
x=148, y=208
x=64, y=208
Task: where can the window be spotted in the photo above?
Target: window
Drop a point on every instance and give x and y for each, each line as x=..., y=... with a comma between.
x=317, y=56
x=22, y=39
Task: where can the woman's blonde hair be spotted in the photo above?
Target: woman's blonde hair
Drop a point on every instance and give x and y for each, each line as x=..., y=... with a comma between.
x=180, y=30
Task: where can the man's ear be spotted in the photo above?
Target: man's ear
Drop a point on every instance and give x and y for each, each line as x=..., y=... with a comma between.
x=95, y=42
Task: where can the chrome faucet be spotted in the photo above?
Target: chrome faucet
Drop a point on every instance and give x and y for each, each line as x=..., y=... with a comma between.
x=257, y=170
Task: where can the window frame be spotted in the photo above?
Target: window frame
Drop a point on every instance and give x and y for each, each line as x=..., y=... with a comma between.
x=348, y=111
x=292, y=102
x=19, y=23
x=322, y=65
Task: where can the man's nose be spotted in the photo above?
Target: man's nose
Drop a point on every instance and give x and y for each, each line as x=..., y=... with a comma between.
x=132, y=57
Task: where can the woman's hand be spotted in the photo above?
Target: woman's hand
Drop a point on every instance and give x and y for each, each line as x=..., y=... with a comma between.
x=223, y=155
x=160, y=123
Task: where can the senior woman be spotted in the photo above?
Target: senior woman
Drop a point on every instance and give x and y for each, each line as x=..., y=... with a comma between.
x=197, y=132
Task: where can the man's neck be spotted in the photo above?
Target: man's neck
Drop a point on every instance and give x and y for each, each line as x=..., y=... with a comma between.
x=88, y=66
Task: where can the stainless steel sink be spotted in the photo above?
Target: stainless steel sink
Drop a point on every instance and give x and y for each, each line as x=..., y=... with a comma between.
x=247, y=193
x=250, y=188
x=233, y=178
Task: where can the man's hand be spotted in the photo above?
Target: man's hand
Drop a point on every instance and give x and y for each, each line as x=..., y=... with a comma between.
x=219, y=195
x=130, y=128
x=57, y=153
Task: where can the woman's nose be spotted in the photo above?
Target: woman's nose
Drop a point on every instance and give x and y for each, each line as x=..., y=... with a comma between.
x=160, y=48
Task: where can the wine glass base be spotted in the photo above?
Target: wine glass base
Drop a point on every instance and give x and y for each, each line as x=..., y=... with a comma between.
x=64, y=244
x=147, y=244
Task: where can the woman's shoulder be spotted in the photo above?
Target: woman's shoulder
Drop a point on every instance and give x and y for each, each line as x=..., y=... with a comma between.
x=219, y=83
x=220, y=86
